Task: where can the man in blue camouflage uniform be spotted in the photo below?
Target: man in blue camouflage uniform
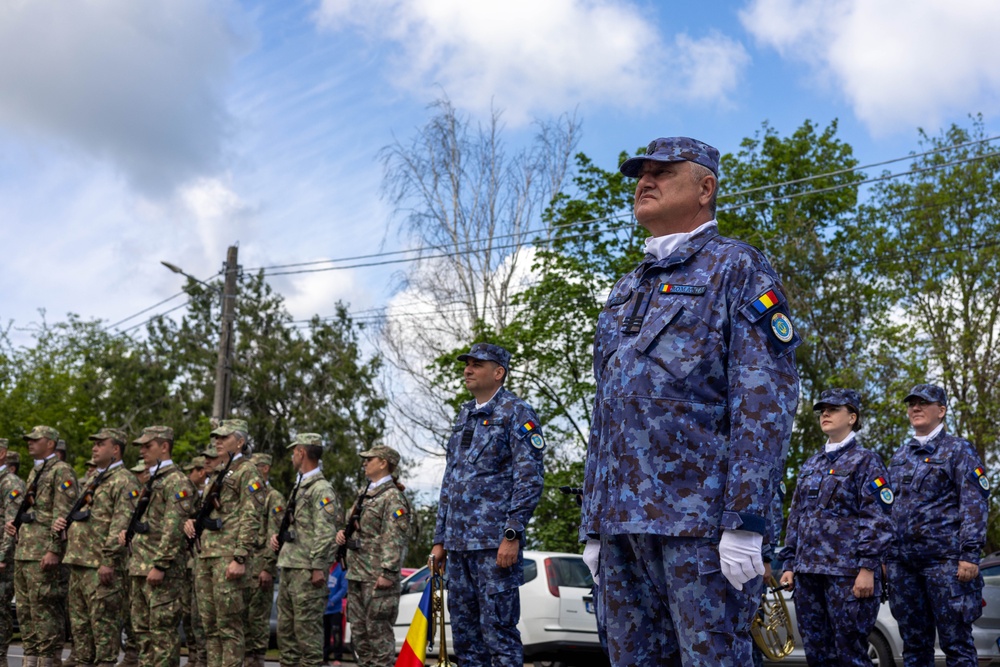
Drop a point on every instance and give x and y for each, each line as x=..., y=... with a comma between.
x=696, y=391
x=492, y=483
x=940, y=514
x=839, y=533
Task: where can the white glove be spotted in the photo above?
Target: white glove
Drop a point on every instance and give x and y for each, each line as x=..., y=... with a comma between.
x=739, y=556
x=592, y=556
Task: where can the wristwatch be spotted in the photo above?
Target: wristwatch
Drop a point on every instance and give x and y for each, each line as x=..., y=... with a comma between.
x=240, y=559
x=511, y=535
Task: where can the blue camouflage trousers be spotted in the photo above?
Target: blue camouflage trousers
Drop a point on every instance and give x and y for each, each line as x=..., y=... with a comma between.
x=923, y=596
x=666, y=602
x=834, y=624
x=485, y=605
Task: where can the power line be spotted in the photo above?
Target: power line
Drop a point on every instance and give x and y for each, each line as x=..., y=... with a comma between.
x=144, y=310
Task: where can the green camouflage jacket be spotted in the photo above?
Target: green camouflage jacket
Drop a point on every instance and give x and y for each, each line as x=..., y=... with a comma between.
x=165, y=545
x=382, y=533
x=315, y=523
x=57, y=490
x=241, y=508
x=274, y=510
x=94, y=542
x=11, y=491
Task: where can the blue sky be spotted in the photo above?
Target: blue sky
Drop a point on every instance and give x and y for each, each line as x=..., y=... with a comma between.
x=166, y=130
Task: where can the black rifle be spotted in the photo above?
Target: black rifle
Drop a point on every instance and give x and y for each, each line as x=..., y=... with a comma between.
x=208, y=505
x=573, y=491
x=27, y=503
x=79, y=511
x=136, y=524
x=285, y=532
x=352, y=526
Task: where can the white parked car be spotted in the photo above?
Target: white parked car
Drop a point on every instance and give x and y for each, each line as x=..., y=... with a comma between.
x=558, y=626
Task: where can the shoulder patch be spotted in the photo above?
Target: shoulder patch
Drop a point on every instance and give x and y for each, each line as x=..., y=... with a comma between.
x=254, y=487
x=66, y=485
x=181, y=495
x=885, y=496
x=277, y=509
x=537, y=441
x=399, y=513
x=527, y=427
x=979, y=476
x=327, y=505
x=134, y=493
x=14, y=493
x=782, y=489
x=782, y=327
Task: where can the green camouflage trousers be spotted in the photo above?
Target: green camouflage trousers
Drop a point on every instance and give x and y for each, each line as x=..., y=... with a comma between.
x=222, y=605
x=6, y=595
x=156, y=613
x=300, y=618
x=258, y=630
x=94, y=611
x=194, y=631
x=372, y=613
x=39, y=611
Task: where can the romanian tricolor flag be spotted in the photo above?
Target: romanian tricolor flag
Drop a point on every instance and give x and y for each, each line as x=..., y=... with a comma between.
x=414, y=651
x=527, y=427
x=253, y=487
x=400, y=512
x=181, y=495
x=67, y=484
x=134, y=493
x=14, y=493
x=765, y=301
x=878, y=483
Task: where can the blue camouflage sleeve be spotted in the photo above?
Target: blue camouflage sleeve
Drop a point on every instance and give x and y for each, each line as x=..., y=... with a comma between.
x=763, y=396
x=527, y=449
x=874, y=519
x=443, y=500
x=787, y=553
x=974, y=493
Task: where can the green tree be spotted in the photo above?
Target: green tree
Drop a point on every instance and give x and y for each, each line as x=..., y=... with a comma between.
x=936, y=233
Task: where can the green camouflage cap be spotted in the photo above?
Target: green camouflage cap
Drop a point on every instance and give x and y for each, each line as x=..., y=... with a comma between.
x=3, y=443
x=13, y=458
x=210, y=452
x=61, y=446
x=40, y=432
x=151, y=433
x=116, y=434
x=227, y=426
x=306, y=439
x=261, y=459
x=196, y=462
x=138, y=468
x=381, y=452
x=91, y=463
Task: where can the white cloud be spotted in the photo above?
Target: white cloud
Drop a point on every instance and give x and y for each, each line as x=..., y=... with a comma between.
x=532, y=57
x=898, y=68
x=140, y=84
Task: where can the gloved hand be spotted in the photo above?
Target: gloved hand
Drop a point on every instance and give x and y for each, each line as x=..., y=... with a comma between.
x=592, y=556
x=739, y=556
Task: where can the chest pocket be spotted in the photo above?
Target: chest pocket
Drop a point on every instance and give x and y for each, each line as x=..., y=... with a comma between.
x=835, y=494
x=489, y=446
x=371, y=520
x=932, y=479
x=676, y=338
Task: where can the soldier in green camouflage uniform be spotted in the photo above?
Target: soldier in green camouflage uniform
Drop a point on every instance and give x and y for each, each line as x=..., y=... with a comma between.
x=11, y=492
x=95, y=557
x=227, y=545
x=305, y=556
x=261, y=592
x=373, y=560
x=159, y=552
x=39, y=552
x=194, y=632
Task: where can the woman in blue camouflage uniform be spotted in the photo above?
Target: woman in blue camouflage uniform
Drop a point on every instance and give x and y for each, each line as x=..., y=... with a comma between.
x=839, y=531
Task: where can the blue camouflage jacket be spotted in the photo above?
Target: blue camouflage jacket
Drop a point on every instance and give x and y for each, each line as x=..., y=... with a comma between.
x=696, y=392
x=942, y=497
x=495, y=480
x=840, y=516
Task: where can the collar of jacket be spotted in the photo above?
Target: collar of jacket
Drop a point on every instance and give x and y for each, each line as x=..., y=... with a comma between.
x=833, y=456
x=490, y=405
x=930, y=445
x=685, y=250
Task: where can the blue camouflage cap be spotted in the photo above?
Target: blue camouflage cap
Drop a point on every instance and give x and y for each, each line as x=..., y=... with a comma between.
x=928, y=392
x=487, y=352
x=838, y=396
x=674, y=149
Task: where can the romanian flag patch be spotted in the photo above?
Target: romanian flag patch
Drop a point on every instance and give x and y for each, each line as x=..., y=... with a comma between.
x=134, y=493
x=527, y=427
x=325, y=502
x=253, y=487
x=877, y=484
x=68, y=484
x=14, y=493
x=765, y=301
x=979, y=475
x=181, y=495
x=277, y=510
x=400, y=512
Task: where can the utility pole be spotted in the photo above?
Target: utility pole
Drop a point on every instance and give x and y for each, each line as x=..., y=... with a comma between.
x=224, y=365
